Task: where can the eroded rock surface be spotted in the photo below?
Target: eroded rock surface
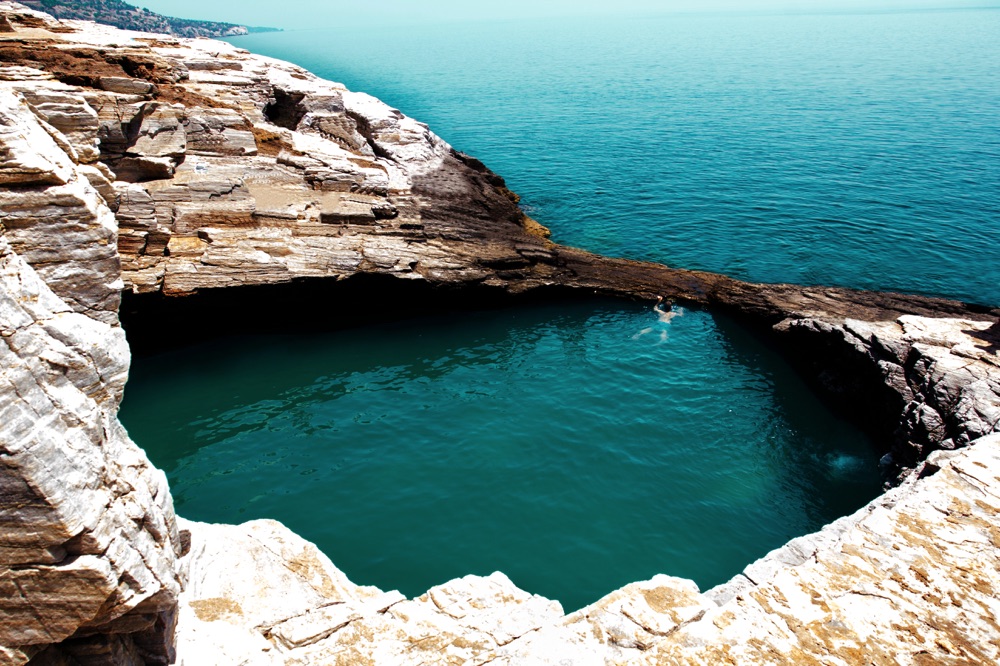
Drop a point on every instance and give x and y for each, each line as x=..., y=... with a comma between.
x=258, y=594
x=173, y=167
x=909, y=579
x=88, y=539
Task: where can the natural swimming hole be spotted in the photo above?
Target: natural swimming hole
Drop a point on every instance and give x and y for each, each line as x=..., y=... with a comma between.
x=557, y=443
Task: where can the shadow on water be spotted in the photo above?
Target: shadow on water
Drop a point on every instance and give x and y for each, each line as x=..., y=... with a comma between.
x=155, y=323
x=544, y=440
x=227, y=339
x=795, y=404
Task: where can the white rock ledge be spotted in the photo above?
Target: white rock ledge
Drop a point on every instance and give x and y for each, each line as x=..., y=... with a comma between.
x=96, y=569
x=912, y=578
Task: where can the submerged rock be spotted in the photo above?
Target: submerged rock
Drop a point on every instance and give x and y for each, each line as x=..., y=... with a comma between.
x=180, y=167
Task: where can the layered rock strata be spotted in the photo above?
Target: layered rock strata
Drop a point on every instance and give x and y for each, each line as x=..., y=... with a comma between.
x=179, y=167
x=88, y=539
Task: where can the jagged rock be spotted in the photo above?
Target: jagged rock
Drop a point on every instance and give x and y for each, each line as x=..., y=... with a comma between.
x=913, y=580
x=246, y=171
x=23, y=73
x=101, y=179
x=60, y=225
x=87, y=532
x=161, y=132
x=140, y=169
x=68, y=113
x=29, y=155
x=218, y=132
x=911, y=576
x=88, y=542
x=304, y=610
x=934, y=379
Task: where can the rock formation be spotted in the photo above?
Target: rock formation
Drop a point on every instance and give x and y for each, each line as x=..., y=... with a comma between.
x=181, y=169
x=88, y=539
x=911, y=578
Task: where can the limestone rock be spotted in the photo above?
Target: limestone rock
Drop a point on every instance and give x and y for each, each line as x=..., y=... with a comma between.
x=28, y=155
x=88, y=542
x=61, y=225
x=161, y=132
x=228, y=170
x=909, y=577
x=68, y=113
x=258, y=594
x=218, y=132
x=126, y=85
x=87, y=532
x=913, y=581
x=937, y=377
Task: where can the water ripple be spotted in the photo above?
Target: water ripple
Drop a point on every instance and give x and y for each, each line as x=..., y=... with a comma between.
x=600, y=454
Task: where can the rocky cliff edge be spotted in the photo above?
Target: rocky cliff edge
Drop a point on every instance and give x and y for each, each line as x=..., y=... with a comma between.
x=179, y=167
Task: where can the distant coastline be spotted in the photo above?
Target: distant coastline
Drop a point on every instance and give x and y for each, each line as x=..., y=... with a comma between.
x=128, y=17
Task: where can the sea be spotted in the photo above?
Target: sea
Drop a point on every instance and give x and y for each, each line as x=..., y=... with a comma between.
x=580, y=446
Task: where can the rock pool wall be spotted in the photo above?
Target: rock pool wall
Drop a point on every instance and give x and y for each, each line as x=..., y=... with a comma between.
x=171, y=167
x=88, y=539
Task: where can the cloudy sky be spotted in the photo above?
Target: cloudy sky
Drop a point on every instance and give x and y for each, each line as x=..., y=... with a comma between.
x=298, y=14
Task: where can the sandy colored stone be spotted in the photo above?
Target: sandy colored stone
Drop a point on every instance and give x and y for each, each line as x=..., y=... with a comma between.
x=247, y=171
x=87, y=532
x=30, y=156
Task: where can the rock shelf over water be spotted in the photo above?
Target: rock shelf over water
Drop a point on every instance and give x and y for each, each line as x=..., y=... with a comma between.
x=174, y=168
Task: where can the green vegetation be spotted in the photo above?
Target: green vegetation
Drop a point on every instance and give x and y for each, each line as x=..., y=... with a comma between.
x=122, y=15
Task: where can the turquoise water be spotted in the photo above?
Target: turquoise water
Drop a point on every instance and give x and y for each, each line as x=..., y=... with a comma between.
x=562, y=445
x=860, y=150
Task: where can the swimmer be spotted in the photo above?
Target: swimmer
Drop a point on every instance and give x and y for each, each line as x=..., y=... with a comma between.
x=665, y=315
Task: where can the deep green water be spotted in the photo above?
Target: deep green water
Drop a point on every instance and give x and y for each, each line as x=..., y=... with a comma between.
x=558, y=444
x=550, y=442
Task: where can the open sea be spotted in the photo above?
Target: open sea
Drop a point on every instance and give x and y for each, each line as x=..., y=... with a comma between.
x=582, y=446
x=859, y=150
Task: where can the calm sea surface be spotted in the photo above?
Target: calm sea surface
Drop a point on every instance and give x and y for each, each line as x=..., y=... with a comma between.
x=567, y=445
x=860, y=150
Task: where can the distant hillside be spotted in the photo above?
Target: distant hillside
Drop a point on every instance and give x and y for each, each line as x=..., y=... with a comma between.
x=122, y=15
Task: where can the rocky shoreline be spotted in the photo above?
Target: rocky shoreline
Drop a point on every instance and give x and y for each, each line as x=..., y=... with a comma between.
x=127, y=16
x=202, y=179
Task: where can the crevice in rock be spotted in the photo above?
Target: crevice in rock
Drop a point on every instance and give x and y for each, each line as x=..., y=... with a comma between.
x=286, y=109
x=365, y=130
